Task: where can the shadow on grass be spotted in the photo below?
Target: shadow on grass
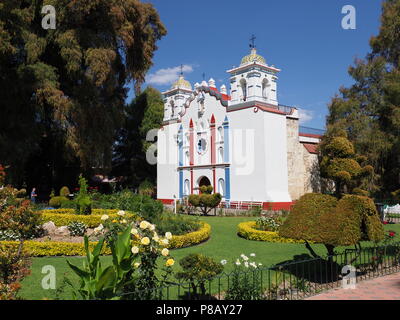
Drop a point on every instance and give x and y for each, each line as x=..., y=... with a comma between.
x=315, y=270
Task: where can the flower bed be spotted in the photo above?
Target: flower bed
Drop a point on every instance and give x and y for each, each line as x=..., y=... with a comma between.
x=63, y=217
x=53, y=248
x=192, y=238
x=248, y=231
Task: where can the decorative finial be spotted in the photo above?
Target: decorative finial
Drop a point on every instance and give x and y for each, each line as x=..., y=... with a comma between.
x=181, y=70
x=204, y=76
x=252, y=39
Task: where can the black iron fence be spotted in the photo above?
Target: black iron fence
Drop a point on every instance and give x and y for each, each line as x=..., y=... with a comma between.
x=290, y=280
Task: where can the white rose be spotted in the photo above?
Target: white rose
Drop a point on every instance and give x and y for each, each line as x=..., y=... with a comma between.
x=168, y=235
x=104, y=217
x=121, y=213
x=135, y=250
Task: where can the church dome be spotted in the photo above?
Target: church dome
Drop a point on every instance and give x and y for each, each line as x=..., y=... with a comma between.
x=181, y=83
x=253, y=57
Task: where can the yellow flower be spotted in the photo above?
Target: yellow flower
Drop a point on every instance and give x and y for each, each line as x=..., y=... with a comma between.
x=164, y=242
x=170, y=262
x=145, y=241
x=156, y=238
x=165, y=252
x=152, y=227
x=136, y=265
x=124, y=221
x=114, y=221
x=104, y=217
x=135, y=250
x=144, y=225
x=168, y=235
x=134, y=231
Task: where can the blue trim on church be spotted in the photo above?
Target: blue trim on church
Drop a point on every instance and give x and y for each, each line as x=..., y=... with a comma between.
x=227, y=186
x=180, y=146
x=226, y=160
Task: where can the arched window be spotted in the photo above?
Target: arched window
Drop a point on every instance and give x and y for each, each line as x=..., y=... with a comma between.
x=220, y=134
x=186, y=189
x=220, y=155
x=187, y=139
x=187, y=158
x=265, y=86
x=221, y=187
x=243, y=86
x=172, y=108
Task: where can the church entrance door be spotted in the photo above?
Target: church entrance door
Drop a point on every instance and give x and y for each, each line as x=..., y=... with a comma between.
x=204, y=181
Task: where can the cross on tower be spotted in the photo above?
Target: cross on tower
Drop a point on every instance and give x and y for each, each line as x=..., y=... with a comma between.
x=252, y=39
x=181, y=69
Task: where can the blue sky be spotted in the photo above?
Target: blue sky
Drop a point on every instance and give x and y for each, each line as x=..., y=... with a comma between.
x=304, y=39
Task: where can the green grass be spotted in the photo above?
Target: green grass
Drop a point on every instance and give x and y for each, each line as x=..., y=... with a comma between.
x=223, y=244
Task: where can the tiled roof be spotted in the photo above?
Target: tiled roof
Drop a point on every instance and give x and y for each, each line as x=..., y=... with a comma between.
x=311, y=147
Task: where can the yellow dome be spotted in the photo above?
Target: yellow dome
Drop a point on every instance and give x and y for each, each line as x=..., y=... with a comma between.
x=182, y=83
x=253, y=57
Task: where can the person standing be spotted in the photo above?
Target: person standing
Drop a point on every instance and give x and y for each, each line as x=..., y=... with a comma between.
x=33, y=195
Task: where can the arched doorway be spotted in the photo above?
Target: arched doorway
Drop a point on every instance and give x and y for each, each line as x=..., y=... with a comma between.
x=204, y=181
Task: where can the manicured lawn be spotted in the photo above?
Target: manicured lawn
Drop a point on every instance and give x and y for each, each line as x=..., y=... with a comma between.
x=223, y=244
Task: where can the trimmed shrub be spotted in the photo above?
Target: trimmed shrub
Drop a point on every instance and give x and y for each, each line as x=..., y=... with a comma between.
x=57, y=201
x=83, y=201
x=191, y=238
x=197, y=270
x=205, y=201
x=304, y=220
x=62, y=219
x=54, y=248
x=249, y=231
x=64, y=192
x=323, y=219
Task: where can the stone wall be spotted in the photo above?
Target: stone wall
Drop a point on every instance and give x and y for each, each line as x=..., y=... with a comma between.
x=303, y=173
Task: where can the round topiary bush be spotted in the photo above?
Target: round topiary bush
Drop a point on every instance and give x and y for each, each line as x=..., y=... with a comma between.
x=56, y=202
x=64, y=192
x=323, y=219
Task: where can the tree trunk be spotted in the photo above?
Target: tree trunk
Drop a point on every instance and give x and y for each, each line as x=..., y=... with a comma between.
x=311, y=250
x=331, y=249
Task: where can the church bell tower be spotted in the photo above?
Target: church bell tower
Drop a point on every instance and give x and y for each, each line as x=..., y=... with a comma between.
x=254, y=80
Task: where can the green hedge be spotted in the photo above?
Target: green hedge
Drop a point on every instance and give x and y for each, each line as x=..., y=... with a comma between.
x=54, y=248
x=248, y=231
x=63, y=217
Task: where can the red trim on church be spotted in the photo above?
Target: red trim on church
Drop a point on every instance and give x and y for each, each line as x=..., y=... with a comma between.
x=167, y=201
x=191, y=143
x=309, y=135
x=272, y=109
x=212, y=139
x=225, y=97
x=275, y=206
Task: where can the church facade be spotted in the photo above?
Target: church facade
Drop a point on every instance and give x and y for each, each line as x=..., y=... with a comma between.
x=244, y=144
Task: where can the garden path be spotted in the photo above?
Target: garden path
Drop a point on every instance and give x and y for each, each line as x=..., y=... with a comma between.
x=382, y=288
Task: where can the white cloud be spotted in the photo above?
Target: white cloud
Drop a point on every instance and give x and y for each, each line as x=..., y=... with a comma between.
x=305, y=115
x=168, y=75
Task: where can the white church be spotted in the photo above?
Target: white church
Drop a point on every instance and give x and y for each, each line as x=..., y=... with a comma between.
x=244, y=144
